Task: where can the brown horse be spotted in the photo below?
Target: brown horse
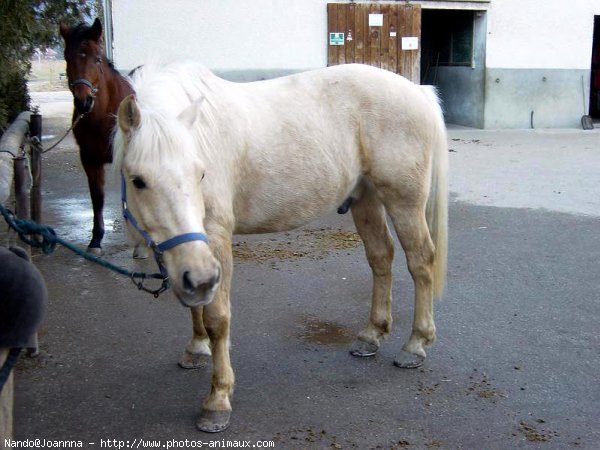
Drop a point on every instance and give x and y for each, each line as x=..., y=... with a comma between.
x=98, y=89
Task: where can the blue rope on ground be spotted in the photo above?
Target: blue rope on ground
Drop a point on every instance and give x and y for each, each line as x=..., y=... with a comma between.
x=30, y=232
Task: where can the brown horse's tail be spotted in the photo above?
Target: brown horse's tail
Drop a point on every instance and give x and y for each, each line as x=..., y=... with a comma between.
x=437, y=203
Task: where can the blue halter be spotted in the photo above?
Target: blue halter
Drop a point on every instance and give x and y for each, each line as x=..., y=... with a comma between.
x=158, y=249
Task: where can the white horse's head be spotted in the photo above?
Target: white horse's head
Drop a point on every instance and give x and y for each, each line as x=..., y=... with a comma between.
x=162, y=174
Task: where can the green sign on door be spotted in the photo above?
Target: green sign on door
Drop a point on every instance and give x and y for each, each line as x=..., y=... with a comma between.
x=336, y=38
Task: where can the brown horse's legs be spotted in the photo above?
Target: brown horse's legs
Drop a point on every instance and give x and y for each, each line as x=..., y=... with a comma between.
x=216, y=409
x=370, y=221
x=412, y=230
x=197, y=351
x=95, y=176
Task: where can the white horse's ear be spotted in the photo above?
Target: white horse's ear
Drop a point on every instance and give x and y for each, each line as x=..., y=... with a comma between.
x=189, y=115
x=129, y=117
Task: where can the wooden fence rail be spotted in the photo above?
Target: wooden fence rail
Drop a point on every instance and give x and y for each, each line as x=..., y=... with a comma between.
x=20, y=164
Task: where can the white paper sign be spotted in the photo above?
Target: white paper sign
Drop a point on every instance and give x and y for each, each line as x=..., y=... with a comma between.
x=410, y=43
x=392, y=34
x=375, y=20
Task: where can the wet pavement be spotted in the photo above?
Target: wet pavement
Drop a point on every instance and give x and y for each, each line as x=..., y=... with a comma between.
x=516, y=364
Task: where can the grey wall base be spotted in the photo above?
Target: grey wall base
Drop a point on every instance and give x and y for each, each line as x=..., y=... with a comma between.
x=462, y=92
x=514, y=98
x=494, y=98
x=242, y=76
x=554, y=96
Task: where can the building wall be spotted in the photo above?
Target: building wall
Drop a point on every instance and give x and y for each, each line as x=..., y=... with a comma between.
x=537, y=53
x=244, y=40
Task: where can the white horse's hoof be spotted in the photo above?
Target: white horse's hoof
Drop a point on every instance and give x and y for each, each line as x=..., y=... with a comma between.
x=140, y=252
x=407, y=360
x=193, y=360
x=95, y=251
x=363, y=349
x=213, y=421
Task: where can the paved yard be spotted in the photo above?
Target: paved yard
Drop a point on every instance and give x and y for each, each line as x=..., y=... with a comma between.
x=516, y=364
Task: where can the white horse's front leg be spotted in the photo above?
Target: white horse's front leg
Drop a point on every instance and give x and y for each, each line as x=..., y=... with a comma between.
x=140, y=251
x=197, y=351
x=216, y=409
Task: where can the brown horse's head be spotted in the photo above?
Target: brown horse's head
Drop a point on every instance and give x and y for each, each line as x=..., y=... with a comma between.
x=84, y=54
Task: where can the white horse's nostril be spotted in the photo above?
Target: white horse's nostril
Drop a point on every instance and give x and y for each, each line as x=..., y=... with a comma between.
x=191, y=285
x=208, y=285
x=188, y=285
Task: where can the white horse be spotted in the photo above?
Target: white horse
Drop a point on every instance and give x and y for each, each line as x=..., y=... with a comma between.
x=201, y=156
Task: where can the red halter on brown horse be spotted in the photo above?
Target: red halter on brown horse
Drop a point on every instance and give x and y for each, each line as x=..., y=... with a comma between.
x=98, y=89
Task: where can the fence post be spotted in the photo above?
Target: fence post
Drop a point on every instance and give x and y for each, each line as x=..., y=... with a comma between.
x=35, y=133
x=22, y=187
x=6, y=405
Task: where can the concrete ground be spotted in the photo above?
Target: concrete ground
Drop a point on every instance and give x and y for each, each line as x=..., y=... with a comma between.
x=516, y=364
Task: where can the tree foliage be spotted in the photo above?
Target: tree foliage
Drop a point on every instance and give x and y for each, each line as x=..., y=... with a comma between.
x=24, y=26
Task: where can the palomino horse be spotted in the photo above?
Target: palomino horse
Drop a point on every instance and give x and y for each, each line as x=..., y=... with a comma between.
x=202, y=158
x=97, y=88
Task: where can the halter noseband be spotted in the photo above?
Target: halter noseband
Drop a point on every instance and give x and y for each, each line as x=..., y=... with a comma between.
x=157, y=248
x=87, y=83
x=94, y=89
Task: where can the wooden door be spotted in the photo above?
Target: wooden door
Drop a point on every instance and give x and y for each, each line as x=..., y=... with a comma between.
x=381, y=35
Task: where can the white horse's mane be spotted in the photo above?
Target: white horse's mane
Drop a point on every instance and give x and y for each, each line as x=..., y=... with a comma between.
x=162, y=93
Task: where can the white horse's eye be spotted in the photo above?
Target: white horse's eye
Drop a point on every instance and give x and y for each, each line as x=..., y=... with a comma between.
x=138, y=183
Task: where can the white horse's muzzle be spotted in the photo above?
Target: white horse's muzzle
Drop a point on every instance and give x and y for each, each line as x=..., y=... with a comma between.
x=195, y=288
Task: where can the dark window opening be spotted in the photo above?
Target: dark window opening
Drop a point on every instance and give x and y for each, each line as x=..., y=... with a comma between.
x=447, y=37
x=595, y=75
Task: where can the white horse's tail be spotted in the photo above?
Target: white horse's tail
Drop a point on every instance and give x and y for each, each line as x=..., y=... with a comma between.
x=437, y=203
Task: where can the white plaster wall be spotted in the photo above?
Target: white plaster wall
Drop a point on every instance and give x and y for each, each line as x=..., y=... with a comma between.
x=292, y=34
x=541, y=33
x=224, y=34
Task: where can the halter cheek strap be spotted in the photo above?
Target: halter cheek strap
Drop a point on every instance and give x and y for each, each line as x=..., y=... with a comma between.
x=158, y=249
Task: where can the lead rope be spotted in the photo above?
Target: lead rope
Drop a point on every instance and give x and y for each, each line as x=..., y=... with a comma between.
x=28, y=230
x=38, y=145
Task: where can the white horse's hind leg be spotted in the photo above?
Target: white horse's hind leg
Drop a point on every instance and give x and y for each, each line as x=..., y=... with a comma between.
x=412, y=230
x=197, y=351
x=369, y=218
